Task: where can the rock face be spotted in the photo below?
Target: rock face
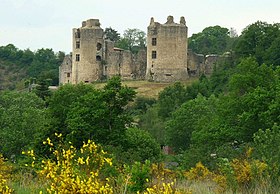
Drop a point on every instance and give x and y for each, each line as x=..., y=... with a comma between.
x=166, y=59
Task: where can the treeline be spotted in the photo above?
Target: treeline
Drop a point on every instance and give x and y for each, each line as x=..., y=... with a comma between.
x=18, y=67
x=259, y=40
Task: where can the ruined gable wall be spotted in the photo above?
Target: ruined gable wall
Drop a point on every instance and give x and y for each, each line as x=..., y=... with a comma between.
x=65, y=70
x=210, y=61
x=195, y=64
x=124, y=63
x=140, y=65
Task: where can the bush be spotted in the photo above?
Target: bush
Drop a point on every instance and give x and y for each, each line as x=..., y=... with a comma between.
x=141, y=146
x=75, y=171
x=5, y=171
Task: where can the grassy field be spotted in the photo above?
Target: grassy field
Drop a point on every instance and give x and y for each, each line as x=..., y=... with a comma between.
x=146, y=88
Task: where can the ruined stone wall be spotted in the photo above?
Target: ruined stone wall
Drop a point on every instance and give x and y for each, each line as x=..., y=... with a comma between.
x=87, y=52
x=140, y=64
x=195, y=64
x=167, y=51
x=65, y=70
x=124, y=63
x=210, y=61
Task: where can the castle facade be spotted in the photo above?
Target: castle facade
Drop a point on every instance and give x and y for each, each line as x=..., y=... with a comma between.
x=166, y=59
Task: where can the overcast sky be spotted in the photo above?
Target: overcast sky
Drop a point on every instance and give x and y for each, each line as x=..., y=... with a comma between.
x=36, y=24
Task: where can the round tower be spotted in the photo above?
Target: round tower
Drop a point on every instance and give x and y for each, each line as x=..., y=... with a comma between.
x=87, y=52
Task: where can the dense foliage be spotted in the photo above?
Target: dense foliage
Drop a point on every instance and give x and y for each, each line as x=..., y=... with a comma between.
x=132, y=40
x=212, y=40
x=22, y=118
x=18, y=66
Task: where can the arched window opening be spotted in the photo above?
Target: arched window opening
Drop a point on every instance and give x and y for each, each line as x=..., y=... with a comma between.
x=98, y=46
x=98, y=58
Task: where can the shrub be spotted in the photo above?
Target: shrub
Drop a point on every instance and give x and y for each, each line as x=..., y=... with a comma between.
x=75, y=171
x=141, y=146
x=5, y=171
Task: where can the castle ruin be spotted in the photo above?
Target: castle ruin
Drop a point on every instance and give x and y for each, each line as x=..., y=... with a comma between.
x=167, y=51
x=166, y=59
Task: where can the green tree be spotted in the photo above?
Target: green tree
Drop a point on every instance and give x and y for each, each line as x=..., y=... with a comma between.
x=60, y=104
x=222, y=71
x=171, y=98
x=27, y=57
x=140, y=146
x=45, y=64
x=111, y=34
x=212, y=40
x=272, y=56
x=249, y=75
x=101, y=115
x=22, y=119
x=256, y=39
x=133, y=40
x=153, y=123
x=253, y=91
x=188, y=119
x=266, y=144
x=42, y=89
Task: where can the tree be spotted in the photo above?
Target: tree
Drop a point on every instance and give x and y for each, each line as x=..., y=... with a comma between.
x=272, y=56
x=256, y=39
x=111, y=34
x=187, y=119
x=133, y=40
x=253, y=91
x=44, y=63
x=27, y=57
x=80, y=112
x=22, y=119
x=212, y=40
x=42, y=89
x=171, y=98
x=140, y=146
x=249, y=75
x=60, y=103
x=100, y=115
x=151, y=122
x=266, y=144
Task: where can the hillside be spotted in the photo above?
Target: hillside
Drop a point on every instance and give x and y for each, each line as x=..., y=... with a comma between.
x=18, y=66
x=10, y=75
x=148, y=89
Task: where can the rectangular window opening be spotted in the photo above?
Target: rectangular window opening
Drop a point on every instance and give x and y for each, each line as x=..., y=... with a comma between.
x=77, y=57
x=154, y=41
x=77, y=44
x=154, y=54
x=68, y=74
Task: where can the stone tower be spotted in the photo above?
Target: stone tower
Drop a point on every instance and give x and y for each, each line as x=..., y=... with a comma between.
x=167, y=51
x=87, y=55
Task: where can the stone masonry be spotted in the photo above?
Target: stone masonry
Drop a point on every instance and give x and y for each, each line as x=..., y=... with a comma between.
x=167, y=50
x=166, y=59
